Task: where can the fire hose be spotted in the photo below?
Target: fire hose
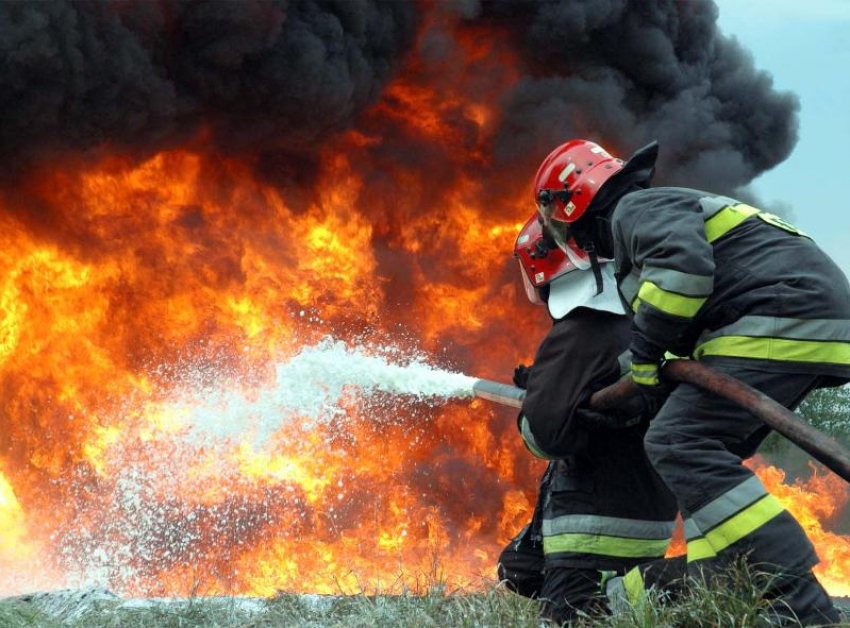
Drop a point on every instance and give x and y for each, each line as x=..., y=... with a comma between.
x=817, y=444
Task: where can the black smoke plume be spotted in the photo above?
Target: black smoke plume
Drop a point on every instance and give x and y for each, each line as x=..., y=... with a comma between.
x=625, y=72
x=141, y=75
x=276, y=78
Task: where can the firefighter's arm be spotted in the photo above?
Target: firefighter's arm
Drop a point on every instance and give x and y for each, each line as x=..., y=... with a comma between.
x=572, y=361
x=663, y=234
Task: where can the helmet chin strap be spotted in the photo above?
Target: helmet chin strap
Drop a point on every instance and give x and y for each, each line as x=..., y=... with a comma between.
x=603, y=237
x=584, y=237
x=585, y=241
x=594, y=264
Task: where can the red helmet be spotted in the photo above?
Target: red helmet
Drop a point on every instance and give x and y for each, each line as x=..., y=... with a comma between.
x=569, y=178
x=541, y=261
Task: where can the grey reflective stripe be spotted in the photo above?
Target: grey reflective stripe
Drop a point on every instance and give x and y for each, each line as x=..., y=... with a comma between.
x=728, y=504
x=678, y=282
x=691, y=530
x=528, y=437
x=836, y=330
x=625, y=362
x=713, y=204
x=608, y=526
x=629, y=287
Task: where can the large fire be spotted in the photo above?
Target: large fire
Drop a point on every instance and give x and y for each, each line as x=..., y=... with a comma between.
x=124, y=283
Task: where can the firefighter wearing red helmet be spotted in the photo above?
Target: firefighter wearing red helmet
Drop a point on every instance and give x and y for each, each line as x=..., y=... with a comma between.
x=601, y=509
x=715, y=279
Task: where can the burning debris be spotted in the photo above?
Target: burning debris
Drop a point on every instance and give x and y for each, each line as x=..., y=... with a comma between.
x=193, y=193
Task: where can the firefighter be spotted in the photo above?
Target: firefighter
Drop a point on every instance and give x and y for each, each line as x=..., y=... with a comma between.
x=601, y=508
x=739, y=289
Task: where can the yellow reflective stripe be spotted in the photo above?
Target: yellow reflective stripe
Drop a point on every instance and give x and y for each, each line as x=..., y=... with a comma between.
x=635, y=588
x=782, y=349
x=605, y=545
x=645, y=381
x=635, y=304
x=670, y=302
x=727, y=219
x=735, y=528
x=645, y=374
x=700, y=549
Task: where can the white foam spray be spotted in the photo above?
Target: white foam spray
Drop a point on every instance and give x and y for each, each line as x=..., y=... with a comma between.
x=211, y=413
x=310, y=387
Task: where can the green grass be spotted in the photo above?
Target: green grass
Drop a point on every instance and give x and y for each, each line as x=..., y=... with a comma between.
x=14, y=615
x=435, y=609
x=497, y=609
x=733, y=601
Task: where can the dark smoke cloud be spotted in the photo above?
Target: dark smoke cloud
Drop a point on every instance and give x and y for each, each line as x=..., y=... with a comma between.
x=275, y=78
x=137, y=75
x=627, y=72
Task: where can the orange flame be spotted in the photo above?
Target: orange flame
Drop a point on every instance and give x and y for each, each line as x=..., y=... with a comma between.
x=124, y=284
x=818, y=503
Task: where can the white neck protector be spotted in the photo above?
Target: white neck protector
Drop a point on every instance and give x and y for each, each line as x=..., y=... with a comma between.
x=578, y=289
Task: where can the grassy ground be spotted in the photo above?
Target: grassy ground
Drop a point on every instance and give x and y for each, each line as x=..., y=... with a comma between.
x=734, y=599
x=436, y=609
x=431, y=610
x=701, y=607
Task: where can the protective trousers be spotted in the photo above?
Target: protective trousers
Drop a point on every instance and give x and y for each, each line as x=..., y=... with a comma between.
x=666, y=576
x=562, y=591
x=696, y=443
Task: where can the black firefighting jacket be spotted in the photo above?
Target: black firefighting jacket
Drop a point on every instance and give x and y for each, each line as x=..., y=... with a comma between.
x=721, y=281
x=601, y=504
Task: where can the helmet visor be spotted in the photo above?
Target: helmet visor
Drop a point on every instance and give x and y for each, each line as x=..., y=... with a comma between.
x=531, y=292
x=557, y=230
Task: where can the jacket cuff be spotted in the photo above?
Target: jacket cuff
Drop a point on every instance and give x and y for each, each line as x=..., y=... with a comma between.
x=643, y=349
x=528, y=438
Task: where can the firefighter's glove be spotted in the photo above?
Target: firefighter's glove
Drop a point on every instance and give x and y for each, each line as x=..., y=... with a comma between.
x=647, y=358
x=521, y=375
x=653, y=390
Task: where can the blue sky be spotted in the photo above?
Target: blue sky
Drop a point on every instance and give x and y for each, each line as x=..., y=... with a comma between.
x=806, y=47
